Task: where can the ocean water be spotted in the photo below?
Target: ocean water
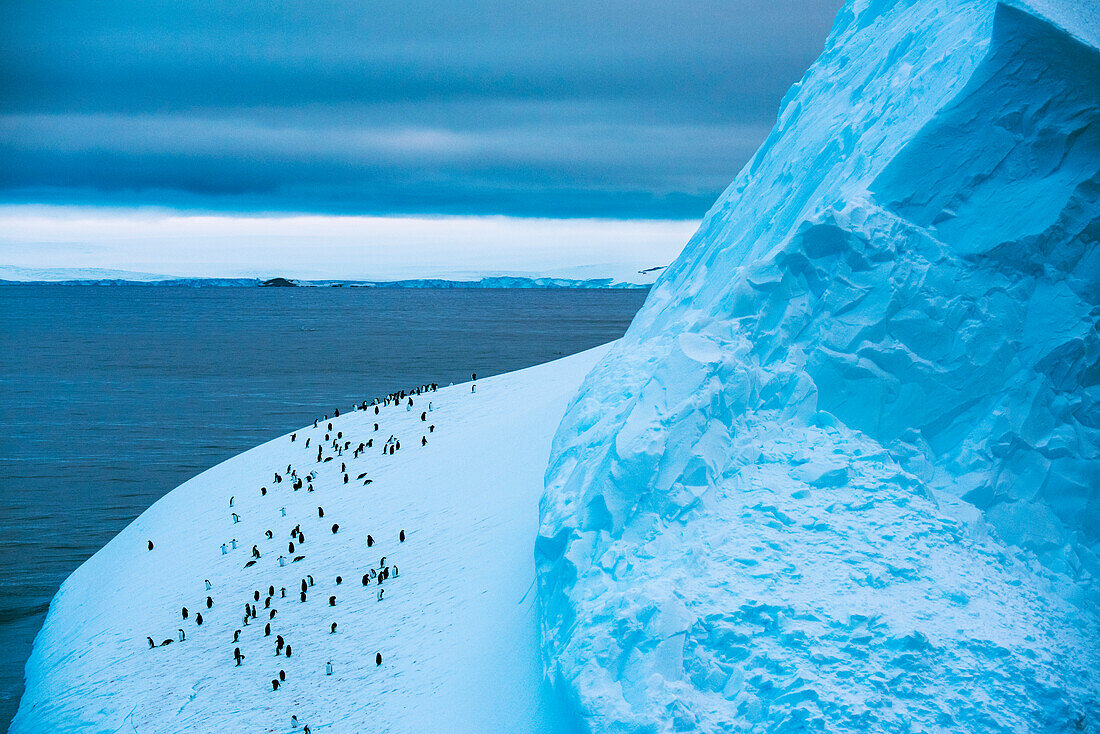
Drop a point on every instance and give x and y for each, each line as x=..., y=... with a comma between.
x=112, y=396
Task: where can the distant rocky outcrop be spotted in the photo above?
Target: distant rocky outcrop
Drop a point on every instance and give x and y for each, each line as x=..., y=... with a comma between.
x=278, y=283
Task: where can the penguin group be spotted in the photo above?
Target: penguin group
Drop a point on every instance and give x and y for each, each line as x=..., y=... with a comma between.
x=268, y=573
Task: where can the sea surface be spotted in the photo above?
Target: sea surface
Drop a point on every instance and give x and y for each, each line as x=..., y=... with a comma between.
x=110, y=396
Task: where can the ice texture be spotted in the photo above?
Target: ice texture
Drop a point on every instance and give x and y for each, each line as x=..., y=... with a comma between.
x=841, y=474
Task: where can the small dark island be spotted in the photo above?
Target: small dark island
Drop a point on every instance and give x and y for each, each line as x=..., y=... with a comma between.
x=278, y=283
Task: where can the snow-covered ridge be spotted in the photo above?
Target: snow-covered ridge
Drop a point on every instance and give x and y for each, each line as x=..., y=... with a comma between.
x=456, y=627
x=841, y=473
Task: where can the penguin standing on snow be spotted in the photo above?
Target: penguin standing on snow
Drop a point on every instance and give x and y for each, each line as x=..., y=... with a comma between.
x=151, y=643
x=150, y=545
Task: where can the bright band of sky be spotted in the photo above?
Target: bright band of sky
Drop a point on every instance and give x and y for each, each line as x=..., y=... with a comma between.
x=331, y=247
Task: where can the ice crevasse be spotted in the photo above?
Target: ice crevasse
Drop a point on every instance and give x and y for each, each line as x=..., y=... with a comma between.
x=842, y=471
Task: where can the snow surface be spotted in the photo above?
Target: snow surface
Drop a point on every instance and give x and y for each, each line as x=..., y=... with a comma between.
x=841, y=473
x=456, y=627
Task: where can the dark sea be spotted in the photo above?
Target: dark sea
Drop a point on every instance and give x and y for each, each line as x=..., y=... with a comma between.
x=110, y=396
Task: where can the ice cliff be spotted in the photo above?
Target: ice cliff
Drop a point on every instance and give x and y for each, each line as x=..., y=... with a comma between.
x=842, y=472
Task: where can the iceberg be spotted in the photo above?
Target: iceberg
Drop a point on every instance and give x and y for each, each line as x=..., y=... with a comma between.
x=455, y=626
x=841, y=473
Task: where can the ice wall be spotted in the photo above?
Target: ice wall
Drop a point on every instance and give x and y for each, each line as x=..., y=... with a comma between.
x=842, y=472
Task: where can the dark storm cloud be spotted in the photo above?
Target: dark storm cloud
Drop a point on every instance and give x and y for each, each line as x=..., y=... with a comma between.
x=563, y=109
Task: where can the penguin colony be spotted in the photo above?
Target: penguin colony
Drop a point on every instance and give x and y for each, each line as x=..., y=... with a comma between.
x=266, y=640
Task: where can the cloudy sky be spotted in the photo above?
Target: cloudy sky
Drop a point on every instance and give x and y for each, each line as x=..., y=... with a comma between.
x=131, y=114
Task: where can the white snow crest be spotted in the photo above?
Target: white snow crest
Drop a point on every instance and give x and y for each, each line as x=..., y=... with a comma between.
x=841, y=472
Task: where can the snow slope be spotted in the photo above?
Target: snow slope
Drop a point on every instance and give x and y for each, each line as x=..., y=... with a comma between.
x=842, y=471
x=456, y=627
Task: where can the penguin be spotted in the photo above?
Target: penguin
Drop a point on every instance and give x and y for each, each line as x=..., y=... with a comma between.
x=182, y=635
x=271, y=591
x=150, y=545
x=267, y=630
x=292, y=437
x=255, y=596
x=377, y=658
x=282, y=561
x=255, y=552
x=209, y=602
x=224, y=549
x=263, y=491
x=332, y=601
x=331, y=630
x=297, y=558
x=269, y=535
x=380, y=593
x=274, y=684
x=233, y=542
x=370, y=540
x=231, y=501
x=198, y=618
x=267, y=603
x=335, y=527
x=307, y=443
x=366, y=579
x=339, y=580
x=166, y=642
x=382, y=562
x=402, y=536
x=423, y=440
x=303, y=596
x=236, y=518
x=289, y=547
x=431, y=429
x=185, y=612
x=272, y=615
x=282, y=592
x=288, y=650
x=345, y=479
x=208, y=585
x=328, y=668
x=424, y=416
x=395, y=570
x=282, y=675
x=310, y=579
x=236, y=635
x=151, y=643
x=320, y=512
